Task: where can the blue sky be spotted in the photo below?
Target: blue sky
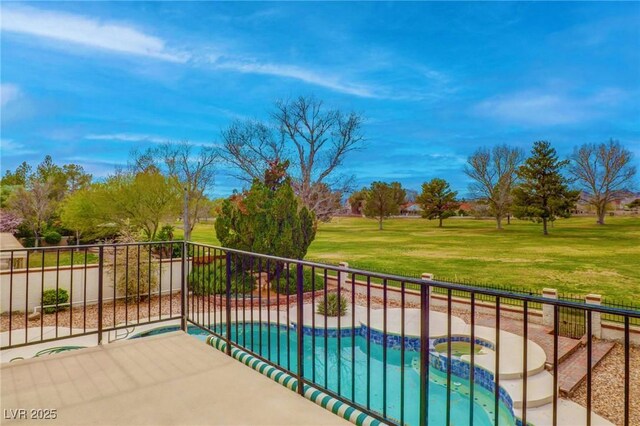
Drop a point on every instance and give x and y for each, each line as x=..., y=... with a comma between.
x=89, y=81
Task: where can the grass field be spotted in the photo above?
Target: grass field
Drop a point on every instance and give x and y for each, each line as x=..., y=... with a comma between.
x=577, y=257
x=50, y=258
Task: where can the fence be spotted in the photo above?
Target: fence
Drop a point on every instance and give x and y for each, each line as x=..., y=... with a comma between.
x=572, y=321
x=387, y=350
x=100, y=296
x=369, y=356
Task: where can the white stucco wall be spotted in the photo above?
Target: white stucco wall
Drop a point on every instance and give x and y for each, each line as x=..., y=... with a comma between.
x=13, y=287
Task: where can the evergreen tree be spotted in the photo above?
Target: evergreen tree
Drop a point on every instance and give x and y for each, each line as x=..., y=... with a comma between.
x=383, y=200
x=19, y=177
x=543, y=194
x=268, y=218
x=438, y=200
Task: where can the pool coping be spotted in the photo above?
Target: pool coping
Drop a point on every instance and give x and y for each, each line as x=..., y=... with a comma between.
x=340, y=408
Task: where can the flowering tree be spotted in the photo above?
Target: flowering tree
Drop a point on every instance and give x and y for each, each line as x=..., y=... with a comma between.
x=9, y=222
x=34, y=205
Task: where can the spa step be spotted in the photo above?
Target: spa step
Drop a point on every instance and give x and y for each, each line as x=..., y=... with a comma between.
x=539, y=390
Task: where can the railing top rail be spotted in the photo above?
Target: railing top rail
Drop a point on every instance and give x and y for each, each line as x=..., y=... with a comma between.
x=88, y=246
x=439, y=284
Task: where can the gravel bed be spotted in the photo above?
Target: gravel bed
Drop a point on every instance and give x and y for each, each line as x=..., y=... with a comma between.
x=607, y=391
x=77, y=316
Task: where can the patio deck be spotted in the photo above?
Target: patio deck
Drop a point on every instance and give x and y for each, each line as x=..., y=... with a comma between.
x=168, y=379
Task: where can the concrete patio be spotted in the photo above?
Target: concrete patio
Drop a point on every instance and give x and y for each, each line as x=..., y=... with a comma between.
x=167, y=379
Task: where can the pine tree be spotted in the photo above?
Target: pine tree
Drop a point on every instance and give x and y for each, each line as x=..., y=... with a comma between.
x=544, y=193
x=437, y=200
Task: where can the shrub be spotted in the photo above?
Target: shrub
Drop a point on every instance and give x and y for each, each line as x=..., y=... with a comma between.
x=207, y=279
x=136, y=273
x=29, y=241
x=290, y=286
x=52, y=237
x=50, y=296
x=166, y=233
x=335, y=307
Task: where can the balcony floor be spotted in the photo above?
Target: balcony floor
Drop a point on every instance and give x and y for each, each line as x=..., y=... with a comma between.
x=170, y=379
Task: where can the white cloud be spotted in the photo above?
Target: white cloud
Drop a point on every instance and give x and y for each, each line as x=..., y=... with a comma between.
x=127, y=137
x=8, y=93
x=296, y=73
x=544, y=108
x=134, y=137
x=128, y=39
x=85, y=31
x=12, y=148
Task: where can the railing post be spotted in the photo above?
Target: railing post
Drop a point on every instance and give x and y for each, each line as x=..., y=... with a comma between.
x=228, y=313
x=342, y=281
x=596, y=317
x=183, y=288
x=300, y=325
x=548, y=310
x=100, y=282
x=424, y=354
x=426, y=276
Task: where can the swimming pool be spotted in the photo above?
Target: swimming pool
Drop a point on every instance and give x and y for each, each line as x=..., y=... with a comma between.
x=348, y=369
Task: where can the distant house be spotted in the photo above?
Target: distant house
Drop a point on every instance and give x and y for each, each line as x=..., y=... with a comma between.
x=466, y=207
x=411, y=209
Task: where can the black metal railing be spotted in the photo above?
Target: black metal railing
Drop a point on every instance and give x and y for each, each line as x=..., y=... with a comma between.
x=375, y=356
x=394, y=348
x=73, y=291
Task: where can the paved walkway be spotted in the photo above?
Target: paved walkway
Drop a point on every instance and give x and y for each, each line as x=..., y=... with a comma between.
x=170, y=379
x=573, y=371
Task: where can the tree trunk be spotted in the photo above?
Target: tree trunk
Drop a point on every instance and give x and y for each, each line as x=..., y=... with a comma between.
x=185, y=216
x=499, y=222
x=77, y=238
x=440, y=225
x=601, y=210
x=508, y=218
x=544, y=226
x=37, y=239
x=380, y=223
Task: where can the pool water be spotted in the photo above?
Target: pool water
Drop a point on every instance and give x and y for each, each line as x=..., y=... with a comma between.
x=457, y=348
x=337, y=370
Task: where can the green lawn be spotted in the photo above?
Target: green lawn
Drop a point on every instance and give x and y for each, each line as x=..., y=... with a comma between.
x=50, y=258
x=577, y=257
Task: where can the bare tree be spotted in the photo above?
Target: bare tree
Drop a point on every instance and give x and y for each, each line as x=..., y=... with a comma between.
x=193, y=172
x=322, y=200
x=315, y=140
x=34, y=205
x=249, y=146
x=494, y=175
x=603, y=171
